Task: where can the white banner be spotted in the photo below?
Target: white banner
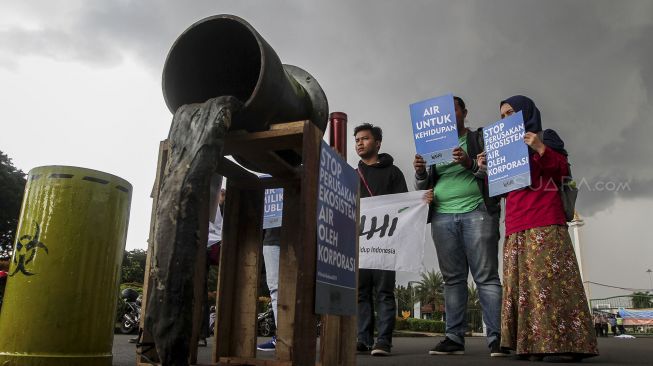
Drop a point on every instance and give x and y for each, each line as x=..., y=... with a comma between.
x=393, y=232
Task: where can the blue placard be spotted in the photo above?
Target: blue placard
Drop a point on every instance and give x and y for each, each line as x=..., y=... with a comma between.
x=434, y=129
x=273, y=208
x=508, y=168
x=335, y=277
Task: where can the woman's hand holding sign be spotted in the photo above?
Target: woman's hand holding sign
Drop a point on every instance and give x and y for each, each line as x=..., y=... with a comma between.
x=531, y=139
x=481, y=161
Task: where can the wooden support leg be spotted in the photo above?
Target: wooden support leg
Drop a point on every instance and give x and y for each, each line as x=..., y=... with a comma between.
x=296, y=332
x=240, y=261
x=145, y=351
x=199, y=284
x=288, y=273
x=338, y=338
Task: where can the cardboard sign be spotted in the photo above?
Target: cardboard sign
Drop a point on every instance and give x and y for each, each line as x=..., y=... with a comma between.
x=434, y=129
x=335, y=287
x=273, y=208
x=508, y=167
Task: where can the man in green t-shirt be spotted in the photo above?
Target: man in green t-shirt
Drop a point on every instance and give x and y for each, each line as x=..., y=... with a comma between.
x=465, y=230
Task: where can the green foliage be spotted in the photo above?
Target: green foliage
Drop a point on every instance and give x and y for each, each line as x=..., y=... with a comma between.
x=420, y=325
x=642, y=300
x=405, y=298
x=136, y=286
x=133, y=266
x=262, y=303
x=430, y=288
x=401, y=323
x=212, y=279
x=473, y=301
x=12, y=186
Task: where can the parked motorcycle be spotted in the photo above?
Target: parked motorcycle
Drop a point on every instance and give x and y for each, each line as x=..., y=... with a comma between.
x=265, y=323
x=131, y=318
x=212, y=316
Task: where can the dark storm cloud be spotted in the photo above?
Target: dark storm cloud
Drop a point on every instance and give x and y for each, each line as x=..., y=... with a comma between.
x=587, y=64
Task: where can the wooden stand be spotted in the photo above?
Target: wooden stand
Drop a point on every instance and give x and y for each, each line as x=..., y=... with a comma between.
x=240, y=258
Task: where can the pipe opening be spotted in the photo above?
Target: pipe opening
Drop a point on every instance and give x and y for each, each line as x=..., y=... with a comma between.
x=217, y=57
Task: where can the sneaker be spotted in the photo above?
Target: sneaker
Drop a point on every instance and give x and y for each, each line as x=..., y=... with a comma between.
x=362, y=347
x=381, y=350
x=201, y=342
x=497, y=351
x=448, y=347
x=270, y=345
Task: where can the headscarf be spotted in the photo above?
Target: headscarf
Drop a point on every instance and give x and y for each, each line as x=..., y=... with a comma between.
x=533, y=121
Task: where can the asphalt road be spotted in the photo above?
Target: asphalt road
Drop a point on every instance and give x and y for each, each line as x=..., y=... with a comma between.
x=414, y=351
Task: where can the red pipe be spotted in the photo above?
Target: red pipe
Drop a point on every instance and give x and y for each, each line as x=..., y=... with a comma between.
x=338, y=132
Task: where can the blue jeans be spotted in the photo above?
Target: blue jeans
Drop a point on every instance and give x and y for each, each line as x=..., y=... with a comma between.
x=271, y=258
x=381, y=283
x=464, y=242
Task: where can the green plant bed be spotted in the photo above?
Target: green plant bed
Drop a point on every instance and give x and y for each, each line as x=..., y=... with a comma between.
x=420, y=325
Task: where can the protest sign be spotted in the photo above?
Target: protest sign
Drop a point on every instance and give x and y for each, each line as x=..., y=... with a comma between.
x=393, y=232
x=273, y=208
x=335, y=278
x=508, y=168
x=434, y=129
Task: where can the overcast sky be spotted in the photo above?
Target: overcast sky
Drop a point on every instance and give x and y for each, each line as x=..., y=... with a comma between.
x=80, y=85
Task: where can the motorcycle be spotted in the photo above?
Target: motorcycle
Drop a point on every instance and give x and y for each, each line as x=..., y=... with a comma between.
x=265, y=323
x=131, y=318
x=212, y=316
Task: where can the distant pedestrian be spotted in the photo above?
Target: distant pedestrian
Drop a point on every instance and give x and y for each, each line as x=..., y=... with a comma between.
x=597, y=325
x=613, y=324
x=620, y=324
x=604, y=324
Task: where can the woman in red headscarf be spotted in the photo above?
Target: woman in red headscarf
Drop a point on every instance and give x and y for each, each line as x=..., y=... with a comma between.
x=545, y=314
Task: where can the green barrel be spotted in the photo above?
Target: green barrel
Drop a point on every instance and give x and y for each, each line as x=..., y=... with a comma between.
x=61, y=296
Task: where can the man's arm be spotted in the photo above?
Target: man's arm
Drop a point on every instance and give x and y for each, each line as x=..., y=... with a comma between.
x=422, y=178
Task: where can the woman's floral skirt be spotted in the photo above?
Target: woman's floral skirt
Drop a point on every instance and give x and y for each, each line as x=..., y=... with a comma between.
x=544, y=309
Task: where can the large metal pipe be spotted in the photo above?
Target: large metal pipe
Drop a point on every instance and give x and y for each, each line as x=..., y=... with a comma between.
x=338, y=132
x=223, y=55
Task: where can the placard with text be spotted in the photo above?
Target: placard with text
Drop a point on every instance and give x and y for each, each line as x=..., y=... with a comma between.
x=434, y=129
x=508, y=167
x=335, y=277
x=273, y=208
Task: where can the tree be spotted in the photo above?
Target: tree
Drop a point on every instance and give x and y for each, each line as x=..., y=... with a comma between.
x=133, y=266
x=430, y=288
x=642, y=300
x=405, y=298
x=12, y=186
x=473, y=301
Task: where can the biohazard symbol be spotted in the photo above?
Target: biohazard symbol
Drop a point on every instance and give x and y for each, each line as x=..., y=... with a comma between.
x=26, y=248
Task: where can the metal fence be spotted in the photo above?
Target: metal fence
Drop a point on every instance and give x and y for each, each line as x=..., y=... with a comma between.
x=474, y=320
x=626, y=302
